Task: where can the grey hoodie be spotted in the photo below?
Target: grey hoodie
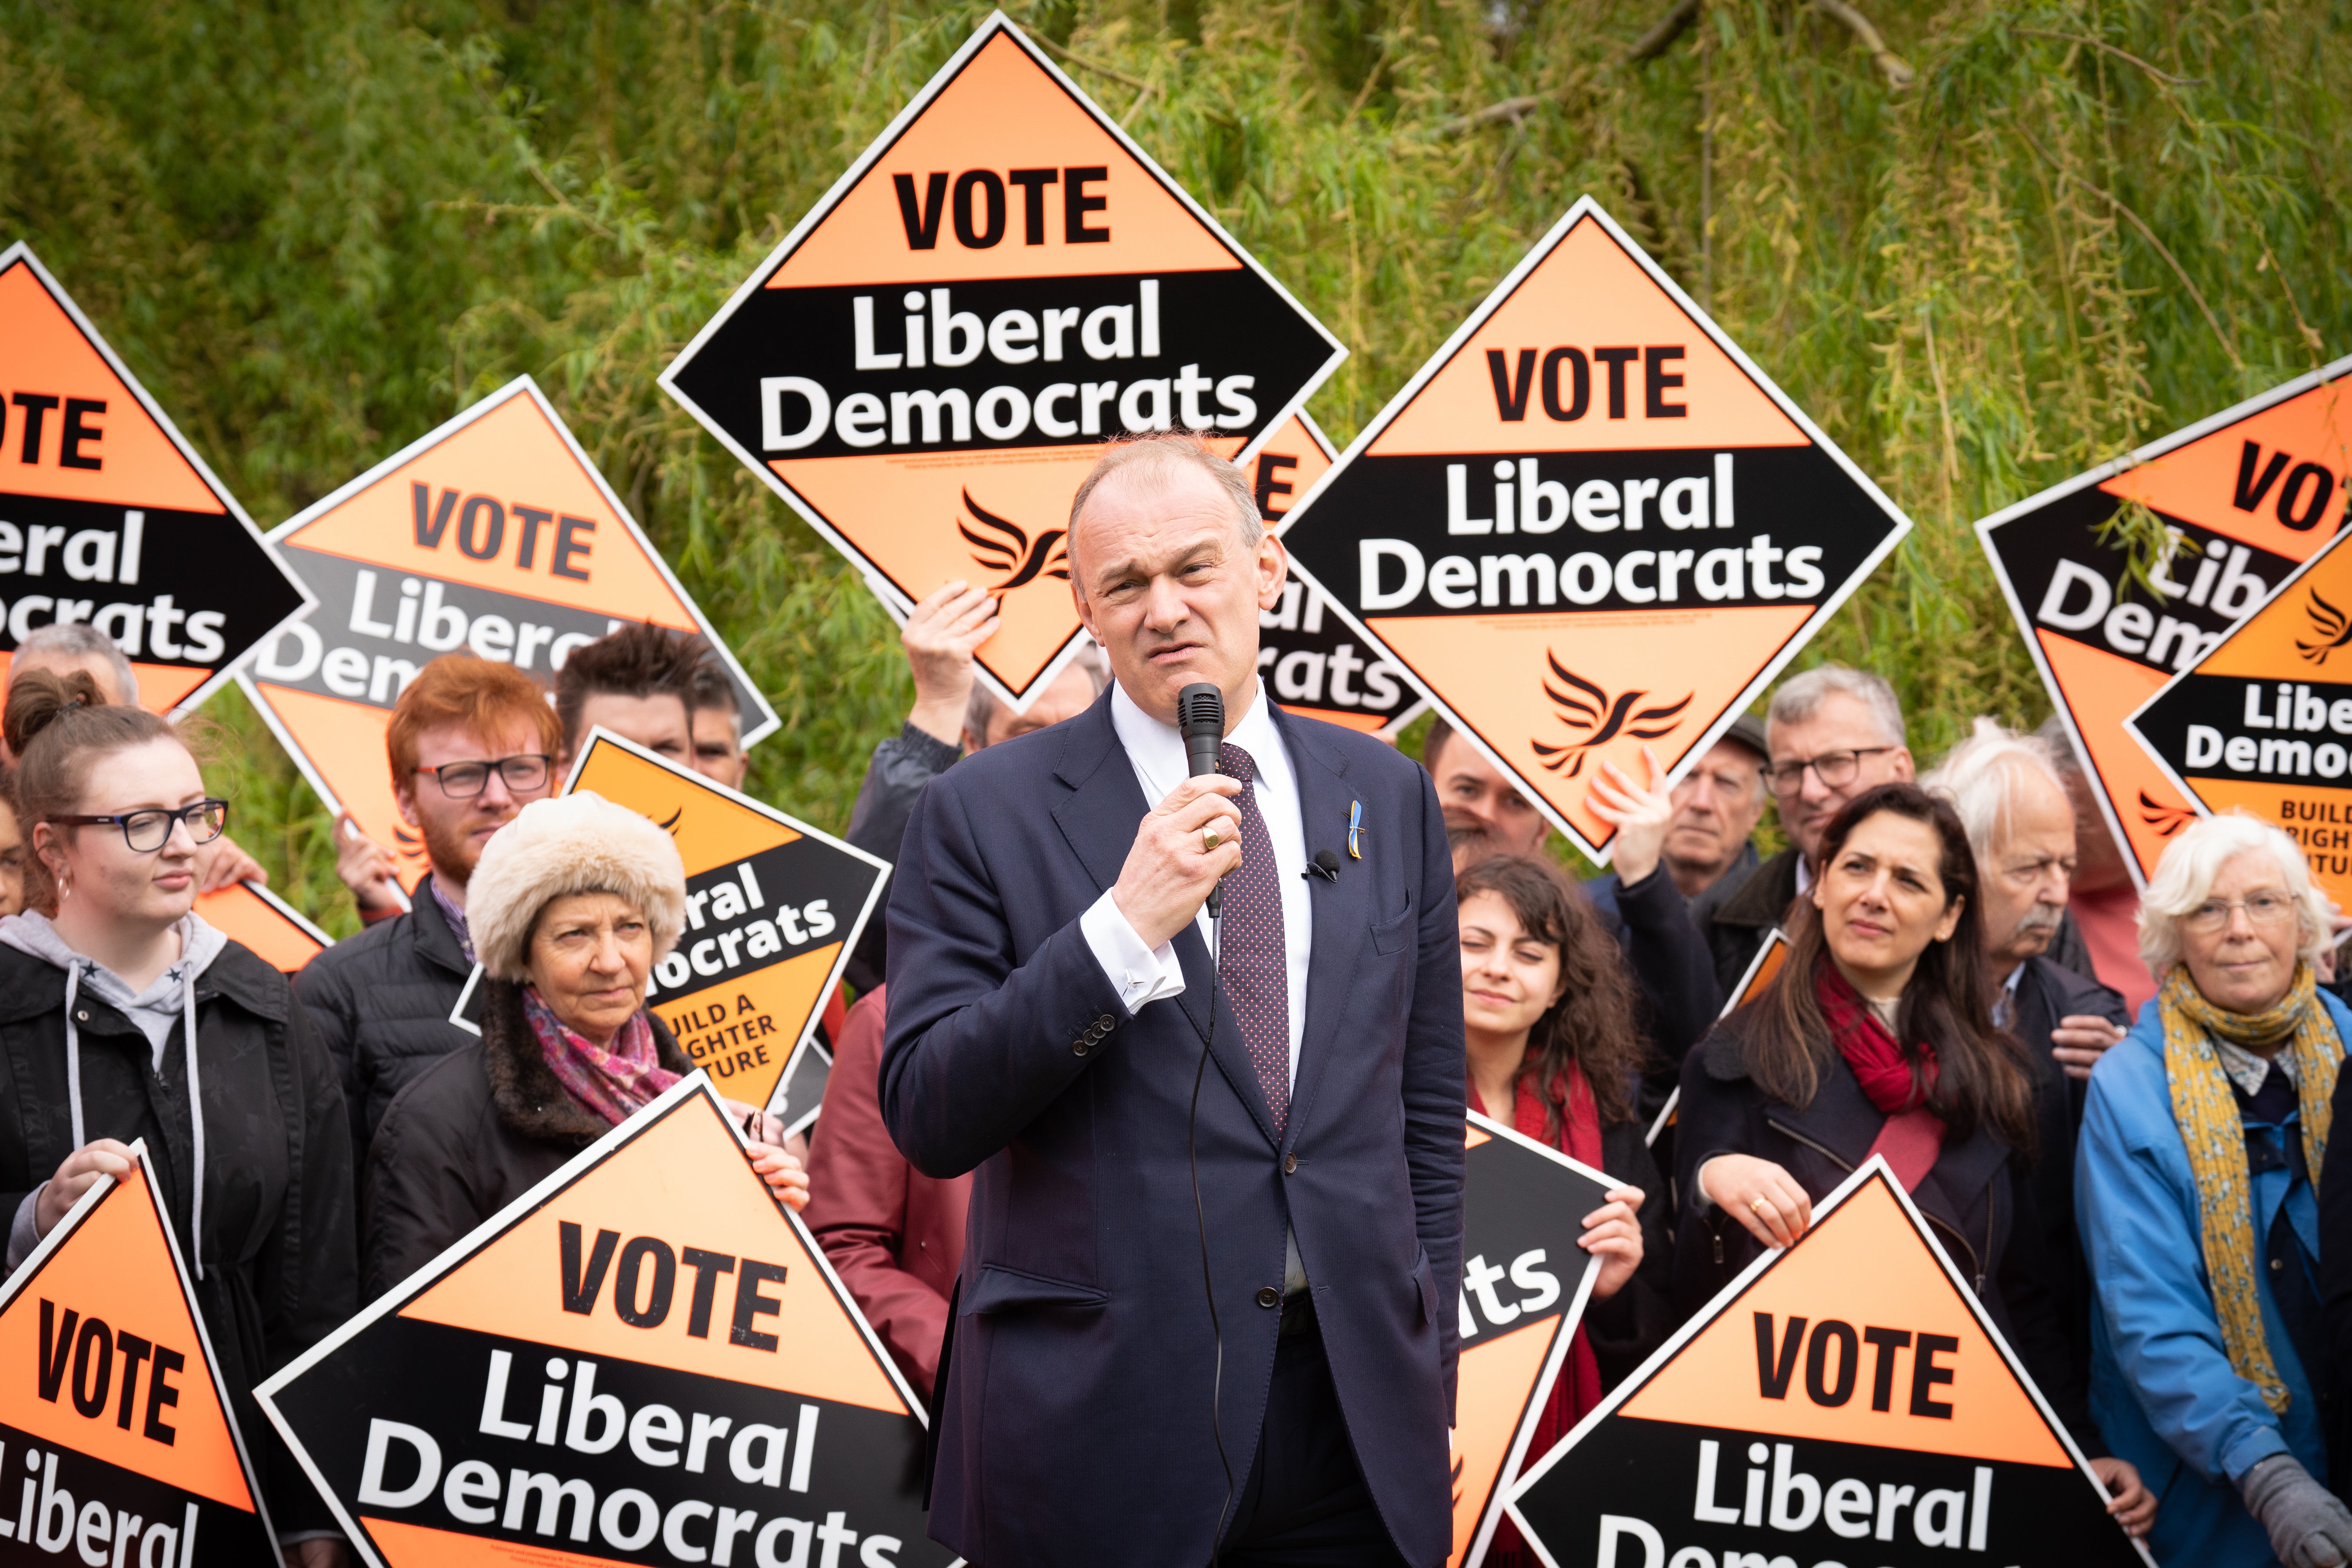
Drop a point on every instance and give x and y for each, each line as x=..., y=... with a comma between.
x=172, y=998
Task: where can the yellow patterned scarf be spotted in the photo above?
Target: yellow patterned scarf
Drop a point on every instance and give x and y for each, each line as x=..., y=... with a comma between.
x=2207, y=1113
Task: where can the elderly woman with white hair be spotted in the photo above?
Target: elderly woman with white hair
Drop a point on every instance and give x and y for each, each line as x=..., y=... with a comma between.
x=2203, y=1135
x=572, y=905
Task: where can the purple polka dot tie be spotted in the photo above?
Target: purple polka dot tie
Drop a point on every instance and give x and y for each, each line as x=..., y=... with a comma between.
x=1252, y=957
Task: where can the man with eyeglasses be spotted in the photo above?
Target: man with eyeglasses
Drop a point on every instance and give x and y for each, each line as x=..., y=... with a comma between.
x=470, y=742
x=1833, y=733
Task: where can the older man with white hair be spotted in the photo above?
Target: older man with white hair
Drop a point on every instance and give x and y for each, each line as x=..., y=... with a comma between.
x=1216, y=1215
x=2203, y=1136
x=2012, y=801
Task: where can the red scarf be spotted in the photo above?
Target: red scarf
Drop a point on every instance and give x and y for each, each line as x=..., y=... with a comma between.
x=1577, y=1390
x=1913, y=1135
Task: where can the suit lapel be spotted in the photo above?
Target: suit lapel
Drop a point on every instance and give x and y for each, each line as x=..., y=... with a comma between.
x=1099, y=820
x=1106, y=803
x=1338, y=908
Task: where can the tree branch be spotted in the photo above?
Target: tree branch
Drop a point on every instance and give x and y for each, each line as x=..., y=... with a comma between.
x=1511, y=108
x=2164, y=77
x=1143, y=89
x=1892, y=66
x=1661, y=37
x=2149, y=235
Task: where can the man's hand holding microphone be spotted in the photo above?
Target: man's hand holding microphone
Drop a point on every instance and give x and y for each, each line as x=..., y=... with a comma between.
x=1191, y=839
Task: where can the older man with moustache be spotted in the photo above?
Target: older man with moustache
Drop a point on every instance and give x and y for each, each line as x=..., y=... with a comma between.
x=2012, y=800
x=1833, y=733
x=1214, y=1183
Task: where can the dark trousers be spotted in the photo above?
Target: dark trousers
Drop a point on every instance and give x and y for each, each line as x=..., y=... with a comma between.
x=1304, y=1504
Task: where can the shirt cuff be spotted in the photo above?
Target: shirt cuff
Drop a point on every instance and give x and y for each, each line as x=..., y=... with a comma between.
x=929, y=749
x=1699, y=1201
x=1141, y=975
x=22, y=1235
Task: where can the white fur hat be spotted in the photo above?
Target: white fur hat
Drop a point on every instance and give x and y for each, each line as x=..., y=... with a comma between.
x=572, y=843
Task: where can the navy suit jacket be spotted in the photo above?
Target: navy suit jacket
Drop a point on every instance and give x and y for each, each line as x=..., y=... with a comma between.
x=1074, y=1399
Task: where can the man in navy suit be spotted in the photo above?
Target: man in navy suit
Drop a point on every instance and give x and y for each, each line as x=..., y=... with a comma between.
x=1050, y=1003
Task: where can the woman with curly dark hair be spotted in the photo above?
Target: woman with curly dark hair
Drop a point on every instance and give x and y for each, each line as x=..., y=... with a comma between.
x=1547, y=1017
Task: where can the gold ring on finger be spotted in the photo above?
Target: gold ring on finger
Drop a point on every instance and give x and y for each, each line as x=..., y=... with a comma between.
x=1209, y=840
x=1762, y=1207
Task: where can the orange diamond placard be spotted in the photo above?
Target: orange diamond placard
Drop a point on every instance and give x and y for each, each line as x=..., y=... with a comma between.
x=645, y=1359
x=129, y=1439
x=1525, y=1282
x=2244, y=498
x=1315, y=665
x=1589, y=525
x=931, y=363
x=773, y=909
x=2261, y=723
x=493, y=535
x=275, y=930
x=107, y=518
x=1845, y=1391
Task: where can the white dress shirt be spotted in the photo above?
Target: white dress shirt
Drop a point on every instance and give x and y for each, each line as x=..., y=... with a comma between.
x=1156, y=751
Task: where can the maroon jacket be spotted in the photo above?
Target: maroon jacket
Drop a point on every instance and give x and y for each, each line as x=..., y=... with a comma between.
x=894, y=1234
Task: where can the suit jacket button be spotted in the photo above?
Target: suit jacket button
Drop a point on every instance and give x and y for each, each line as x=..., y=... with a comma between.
x=1267, y=1296
x=1290, y=1165
x=1081, y=1045
x=1104, y=1023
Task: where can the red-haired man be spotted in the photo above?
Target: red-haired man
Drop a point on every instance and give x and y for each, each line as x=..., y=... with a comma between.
x=470, y=742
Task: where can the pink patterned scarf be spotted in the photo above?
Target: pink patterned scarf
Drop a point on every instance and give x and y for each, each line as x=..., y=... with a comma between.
x=615, y=1082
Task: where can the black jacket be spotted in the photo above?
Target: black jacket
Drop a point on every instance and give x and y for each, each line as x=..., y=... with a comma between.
x=2047, y=992
x=472, y=1133
x=381, y=1000
x=1716, y=894
x=278, y=1251
x=1979, y=1201
x=1736, y=927
x=902, y=765
x=1624, y=1329
x=1668, y=957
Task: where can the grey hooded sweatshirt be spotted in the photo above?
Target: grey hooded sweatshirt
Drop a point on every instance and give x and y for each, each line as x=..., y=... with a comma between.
x=170, y=999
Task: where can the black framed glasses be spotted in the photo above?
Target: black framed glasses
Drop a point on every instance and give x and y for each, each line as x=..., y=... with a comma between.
x=1834, y=769
x=148, y=831
x=523, y=773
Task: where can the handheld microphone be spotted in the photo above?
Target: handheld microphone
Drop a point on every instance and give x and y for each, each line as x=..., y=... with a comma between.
x=1201, y=720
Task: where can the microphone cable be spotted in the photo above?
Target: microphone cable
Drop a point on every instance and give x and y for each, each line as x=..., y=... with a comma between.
x=1201, y=721
x=1200, y=1218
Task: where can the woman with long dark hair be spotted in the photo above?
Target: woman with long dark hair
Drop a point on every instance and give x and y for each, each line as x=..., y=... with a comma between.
x=1554, y=1052
x=1877, y=1038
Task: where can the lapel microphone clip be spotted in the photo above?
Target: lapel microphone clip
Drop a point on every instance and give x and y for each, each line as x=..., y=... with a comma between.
x=1327, y=866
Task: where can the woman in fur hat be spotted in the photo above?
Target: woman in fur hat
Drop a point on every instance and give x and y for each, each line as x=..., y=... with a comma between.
x=572, y=905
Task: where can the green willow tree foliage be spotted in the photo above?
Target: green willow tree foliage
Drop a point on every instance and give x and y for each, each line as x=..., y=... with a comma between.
x=1990, y=245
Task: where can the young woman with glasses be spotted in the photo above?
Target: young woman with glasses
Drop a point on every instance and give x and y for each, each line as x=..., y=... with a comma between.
x=124, y=1016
